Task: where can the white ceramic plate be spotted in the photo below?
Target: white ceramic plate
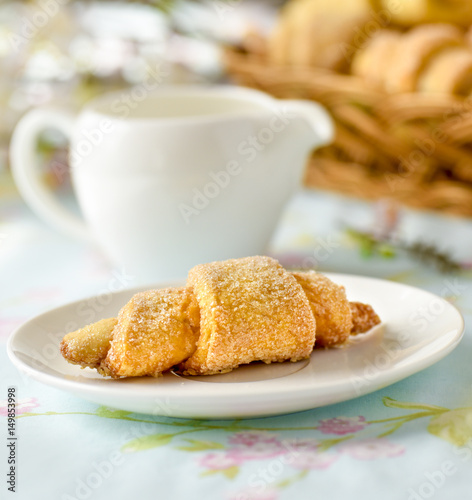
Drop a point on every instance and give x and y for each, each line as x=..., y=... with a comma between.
x=417, y=330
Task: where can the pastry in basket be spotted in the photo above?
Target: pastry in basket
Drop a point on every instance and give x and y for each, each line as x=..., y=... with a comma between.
x=318, y=32
x=373, y=62
x=413, y=12
x=415, y=50
x=449, y=72
x=230, y=313
x=396, y=60
x=428, y=58
x=413, y=143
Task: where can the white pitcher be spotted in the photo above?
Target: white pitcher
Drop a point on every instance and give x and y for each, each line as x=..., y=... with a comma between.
x=175, y=177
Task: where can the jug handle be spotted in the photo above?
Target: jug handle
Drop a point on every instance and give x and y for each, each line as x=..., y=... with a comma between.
x=316, y=116
x=27, y=175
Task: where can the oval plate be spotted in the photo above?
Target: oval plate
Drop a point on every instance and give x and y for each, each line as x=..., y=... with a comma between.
x=417, y=330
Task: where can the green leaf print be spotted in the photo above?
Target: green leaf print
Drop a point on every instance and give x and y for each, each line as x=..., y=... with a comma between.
x=230, y=472
x=104, y=411
x=198, y=445
x=147, y=442
x=454, y=426
x=393, y=403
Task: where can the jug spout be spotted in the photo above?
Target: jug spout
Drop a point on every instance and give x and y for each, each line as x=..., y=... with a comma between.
x=315, y=125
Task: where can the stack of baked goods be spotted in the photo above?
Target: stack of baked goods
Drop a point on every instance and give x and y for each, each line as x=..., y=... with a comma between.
x=428, y=58
x=229, y=313
x=397, y=77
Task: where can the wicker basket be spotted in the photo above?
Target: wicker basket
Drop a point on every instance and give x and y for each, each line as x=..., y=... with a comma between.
x=414, y=148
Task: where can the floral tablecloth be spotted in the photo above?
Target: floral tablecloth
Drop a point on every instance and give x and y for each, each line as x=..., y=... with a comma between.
x=411, y=440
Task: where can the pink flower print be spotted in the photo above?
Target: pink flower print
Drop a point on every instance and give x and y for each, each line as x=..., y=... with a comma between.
x=304, y=454
x=254, y=494
x=371, y=449
x=252, y=438
x=23, y=405
x=258, y=452
x=217, y=461
x=314, y=460
x=300, y=445
x=255, y=445
x=342, y=425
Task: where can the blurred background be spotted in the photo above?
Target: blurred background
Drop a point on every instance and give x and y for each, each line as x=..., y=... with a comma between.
x=65, y=52
x=390, y=198
x=395, y=74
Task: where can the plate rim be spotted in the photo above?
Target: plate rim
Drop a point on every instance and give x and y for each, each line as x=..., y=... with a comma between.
x=384, y=378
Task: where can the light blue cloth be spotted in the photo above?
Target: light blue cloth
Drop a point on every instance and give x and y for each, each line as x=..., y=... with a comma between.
x=409, y=441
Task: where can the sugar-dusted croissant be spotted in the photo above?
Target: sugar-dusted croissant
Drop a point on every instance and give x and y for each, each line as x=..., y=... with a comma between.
x=231, y=313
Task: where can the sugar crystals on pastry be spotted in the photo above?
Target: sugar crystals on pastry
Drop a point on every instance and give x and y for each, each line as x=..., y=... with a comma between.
x=250, y=310
x=89, y=346
x=330, y=307
x=155, y=331
x=230, y=313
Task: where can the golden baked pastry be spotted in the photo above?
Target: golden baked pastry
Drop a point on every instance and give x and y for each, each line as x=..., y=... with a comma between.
x=89, y=346
x=155, y=331
x=250, y=310
x=428, y=58
x=231, y=313
x=363, y=317
x=367, y=38
x=449, y=72
x=414, y=12
x=318, y=32
x=413, y=52
x=373, y=62
x=330, y=307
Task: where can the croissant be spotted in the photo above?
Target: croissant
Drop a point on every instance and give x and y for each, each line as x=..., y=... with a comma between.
x=414, y=51
x=374, y=62
x=318, y=33
x=414, y=12
x=230, y=313
x=427, y=58
x=450, y=72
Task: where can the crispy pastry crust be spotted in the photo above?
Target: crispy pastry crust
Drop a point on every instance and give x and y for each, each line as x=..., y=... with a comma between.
x=330, y=307
x=155, y=331
x=231, y=313
x=363, y=317
x=415, y=49
x=250, y=309
x=372, y=62
x=88, y=346
x=449, y=72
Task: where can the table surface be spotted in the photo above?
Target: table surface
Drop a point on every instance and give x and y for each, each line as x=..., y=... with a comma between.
x=411, y=440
